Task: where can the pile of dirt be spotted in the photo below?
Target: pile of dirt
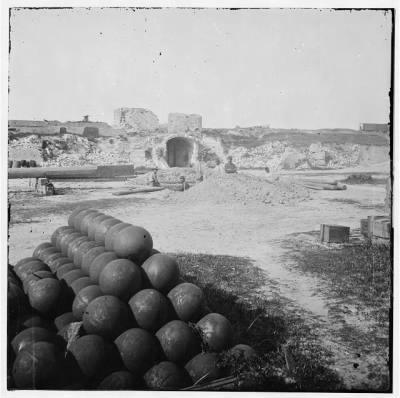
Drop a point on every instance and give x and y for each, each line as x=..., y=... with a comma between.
x=279, y=155
x=244, y=189
x=25, y=148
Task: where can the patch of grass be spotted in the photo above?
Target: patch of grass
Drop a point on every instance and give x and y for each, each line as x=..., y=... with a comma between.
x=233, y=287
x=358, y=203
x=359, y=281
x=363, y=270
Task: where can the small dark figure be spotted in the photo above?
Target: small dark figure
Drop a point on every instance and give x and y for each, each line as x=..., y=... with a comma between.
x=48, y=188
x=154, y=178
x=270, y=177
x=185, y=185
x=230, y=167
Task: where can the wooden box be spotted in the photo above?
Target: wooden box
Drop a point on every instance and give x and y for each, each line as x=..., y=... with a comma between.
x=371, y=221
x=334, y=233
x=381, y=228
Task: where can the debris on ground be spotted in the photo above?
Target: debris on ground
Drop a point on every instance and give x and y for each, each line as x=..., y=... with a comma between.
x=319, y=186
x=244, y=189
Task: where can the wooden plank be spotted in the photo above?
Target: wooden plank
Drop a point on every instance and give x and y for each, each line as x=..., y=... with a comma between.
x=320, y=187
x=316, y=181
x=143, y=190
x=317, y=188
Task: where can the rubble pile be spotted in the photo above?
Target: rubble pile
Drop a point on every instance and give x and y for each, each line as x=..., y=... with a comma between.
x=148, y=149
x=25, y=148
x=282, y=155
x=244, y=189
x=69, y=150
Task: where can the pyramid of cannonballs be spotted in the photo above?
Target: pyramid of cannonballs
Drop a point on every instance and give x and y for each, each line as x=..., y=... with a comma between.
x=97, y=307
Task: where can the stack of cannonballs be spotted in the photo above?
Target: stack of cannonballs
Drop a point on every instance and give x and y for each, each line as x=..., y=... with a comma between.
x=98, y=307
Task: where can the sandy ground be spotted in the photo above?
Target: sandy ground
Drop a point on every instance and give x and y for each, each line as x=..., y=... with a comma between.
x=253, y=231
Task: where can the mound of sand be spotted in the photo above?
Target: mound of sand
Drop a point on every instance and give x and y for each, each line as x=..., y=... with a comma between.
x=244, y=189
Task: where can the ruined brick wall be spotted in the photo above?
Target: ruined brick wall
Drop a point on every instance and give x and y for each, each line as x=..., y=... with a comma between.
x=181, y=123
x=135, y=119
x=17, y=127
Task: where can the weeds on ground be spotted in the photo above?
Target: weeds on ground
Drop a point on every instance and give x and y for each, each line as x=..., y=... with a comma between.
x=359, y=281
x=289, y=357
x=358, y=203
x=362, y=271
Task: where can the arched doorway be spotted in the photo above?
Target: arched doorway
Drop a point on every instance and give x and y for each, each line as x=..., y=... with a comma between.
x=179, y=152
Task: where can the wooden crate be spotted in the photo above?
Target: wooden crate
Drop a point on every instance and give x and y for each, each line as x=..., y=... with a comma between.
x=371, y=220
x=381, y=228
x=334, y=233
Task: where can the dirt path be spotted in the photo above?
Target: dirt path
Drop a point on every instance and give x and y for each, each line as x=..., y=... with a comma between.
x=255, y=231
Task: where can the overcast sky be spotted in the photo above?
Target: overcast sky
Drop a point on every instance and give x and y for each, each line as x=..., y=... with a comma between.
x=286, y=68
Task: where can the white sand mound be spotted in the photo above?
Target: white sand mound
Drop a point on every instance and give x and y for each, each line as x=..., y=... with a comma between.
x=244, y=189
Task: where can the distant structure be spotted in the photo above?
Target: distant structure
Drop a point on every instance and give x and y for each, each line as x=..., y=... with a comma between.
x=51, y=127
x=86, y=119
x=135, y=119
x=181, y=123
x=90, y=132
x=375, y=127
x=181, y=146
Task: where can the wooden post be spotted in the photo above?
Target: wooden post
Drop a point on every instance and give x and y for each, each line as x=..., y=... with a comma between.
x=364, y=227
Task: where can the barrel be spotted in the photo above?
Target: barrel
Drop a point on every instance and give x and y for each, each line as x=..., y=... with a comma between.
x=17, y=164
x=10, y=164
x=23, y=163
x=32, y=163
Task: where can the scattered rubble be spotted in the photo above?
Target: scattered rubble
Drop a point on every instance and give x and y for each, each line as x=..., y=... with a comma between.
x=282, y=155
x=149, y=149
x=244, y=189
